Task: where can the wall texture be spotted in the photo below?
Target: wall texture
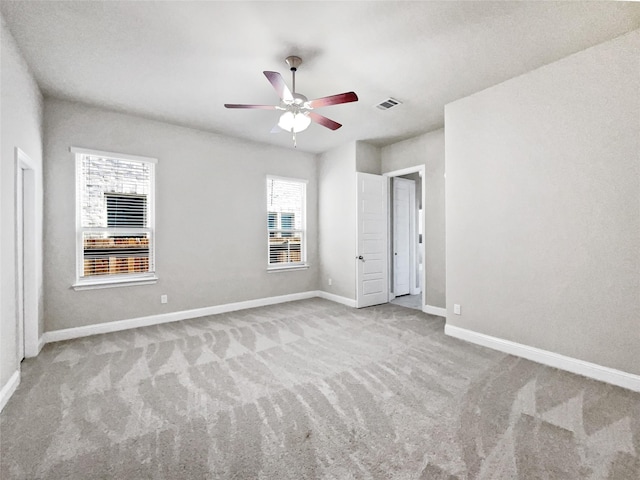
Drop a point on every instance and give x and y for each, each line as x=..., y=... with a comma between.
x=21, y=126
x=543, y=210
x=337, y=220
x=427, y=150
x=367, y=158
x=211, y=244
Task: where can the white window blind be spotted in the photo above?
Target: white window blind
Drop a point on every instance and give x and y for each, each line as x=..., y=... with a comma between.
x=286, y=205
x=115, y=217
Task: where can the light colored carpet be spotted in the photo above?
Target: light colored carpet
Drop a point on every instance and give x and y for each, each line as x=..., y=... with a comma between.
x=409, y=301
x=305, y=390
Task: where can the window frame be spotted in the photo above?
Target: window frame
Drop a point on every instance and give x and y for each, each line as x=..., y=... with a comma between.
x=302, y=264
x=121, y=279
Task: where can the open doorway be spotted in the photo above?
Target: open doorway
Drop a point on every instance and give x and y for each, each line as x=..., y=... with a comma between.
x=406, y=247
x=26, y=263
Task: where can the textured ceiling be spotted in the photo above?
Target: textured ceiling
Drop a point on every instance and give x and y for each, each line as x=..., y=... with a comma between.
x=181, y=61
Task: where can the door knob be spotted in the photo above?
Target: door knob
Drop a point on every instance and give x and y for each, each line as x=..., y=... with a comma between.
x=360, y=257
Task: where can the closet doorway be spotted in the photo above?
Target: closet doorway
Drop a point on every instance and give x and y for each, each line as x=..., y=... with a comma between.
x=406, y=247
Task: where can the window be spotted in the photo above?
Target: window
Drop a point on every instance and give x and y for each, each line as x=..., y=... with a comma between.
x=286, y=205
x=115, y=235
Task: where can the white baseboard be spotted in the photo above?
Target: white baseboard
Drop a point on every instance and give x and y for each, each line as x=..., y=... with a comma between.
x=573, y=365
x=108, y=327
x=9, y=388
x=336, y=298
x=438, y=311
x=34, y=352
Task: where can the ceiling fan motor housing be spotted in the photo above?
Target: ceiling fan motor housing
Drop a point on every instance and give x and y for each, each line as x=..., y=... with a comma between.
x=299, y=99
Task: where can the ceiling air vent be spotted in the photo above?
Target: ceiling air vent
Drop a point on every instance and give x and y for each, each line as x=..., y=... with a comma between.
x=388, y=103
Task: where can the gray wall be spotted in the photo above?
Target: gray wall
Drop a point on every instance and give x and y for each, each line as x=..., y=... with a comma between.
x=543, y=207
x=210, y=216
x=337, y=220
x=368, y=158
x=427, y=150
x=21, y=120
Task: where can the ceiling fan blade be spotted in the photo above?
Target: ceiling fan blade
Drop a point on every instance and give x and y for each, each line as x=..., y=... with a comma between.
x=324, y=121
x=278, y=83
x=334, y=99
x=239, y=105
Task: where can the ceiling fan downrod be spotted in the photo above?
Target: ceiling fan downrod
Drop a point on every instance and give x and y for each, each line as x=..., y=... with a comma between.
x=293, y=62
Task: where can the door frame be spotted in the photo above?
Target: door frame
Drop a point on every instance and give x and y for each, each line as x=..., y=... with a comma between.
x=420, y=170
x=26, y=256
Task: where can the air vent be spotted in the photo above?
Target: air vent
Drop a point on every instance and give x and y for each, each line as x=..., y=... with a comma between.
x=388, y=103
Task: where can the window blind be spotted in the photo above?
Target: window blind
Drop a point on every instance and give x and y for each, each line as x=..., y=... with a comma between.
x=126, y=210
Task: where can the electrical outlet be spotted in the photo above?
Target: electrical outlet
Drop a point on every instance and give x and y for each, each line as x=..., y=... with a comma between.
x=330, y=282
x=164, y=299
x=456, y=309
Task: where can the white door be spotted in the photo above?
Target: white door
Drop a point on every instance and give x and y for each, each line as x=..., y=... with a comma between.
x=371, y=240
x=402, y=251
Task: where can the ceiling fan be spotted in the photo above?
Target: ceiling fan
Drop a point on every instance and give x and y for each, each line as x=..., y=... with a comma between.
x=297, y=110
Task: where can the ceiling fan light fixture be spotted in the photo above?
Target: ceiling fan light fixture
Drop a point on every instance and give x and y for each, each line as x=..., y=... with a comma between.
x=294, y=121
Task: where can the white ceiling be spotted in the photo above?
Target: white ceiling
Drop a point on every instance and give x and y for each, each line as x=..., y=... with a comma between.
x=180, y=61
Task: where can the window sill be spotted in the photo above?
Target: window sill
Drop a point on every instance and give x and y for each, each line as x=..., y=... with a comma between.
x=288, y=268
x=114, y=282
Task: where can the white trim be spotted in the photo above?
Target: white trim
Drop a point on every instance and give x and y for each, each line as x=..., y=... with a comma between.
x=119, y=325
x=420, y=170
x=288, y=179
x=302, y=264
x=438, y=311
x=9, y=388
x=91, y=282
x=115, y=282
x=108, y=327
x=28, y=257
x=100, y=153
x=41, y=343
x=349, y=302
x=288, y=268
x=545, y=357
x=405, y=171
x=21, y=224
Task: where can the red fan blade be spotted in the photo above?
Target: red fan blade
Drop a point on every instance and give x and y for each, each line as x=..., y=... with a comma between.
x=238, y=105
x=278, y=83
x=334, y=99
x=324, y=121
